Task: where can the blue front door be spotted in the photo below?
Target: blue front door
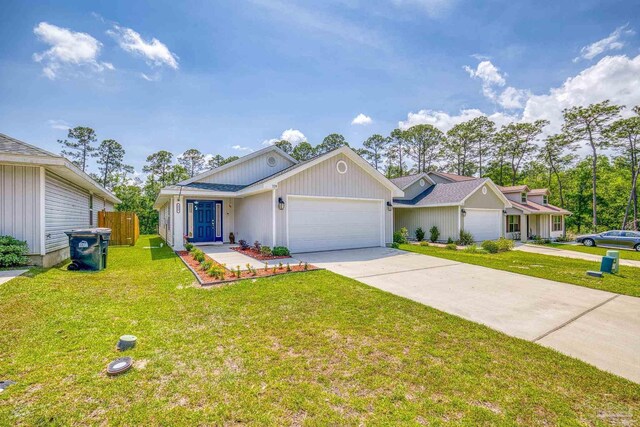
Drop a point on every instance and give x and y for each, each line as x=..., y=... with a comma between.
x=207, y=220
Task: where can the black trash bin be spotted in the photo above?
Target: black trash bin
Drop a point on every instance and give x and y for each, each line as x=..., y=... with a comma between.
x=89, y=248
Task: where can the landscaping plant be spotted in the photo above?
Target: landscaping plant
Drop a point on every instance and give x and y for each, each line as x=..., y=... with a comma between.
x=206, y=265
x=401, y=237
x=449, y=241
x=198, y=255
x=280, y=251
x=466, y=238
x=490, y=246
x=434, y=233
x=265, y=250
x=504, y=245
x=424, y=243
x=13, y=252
x=419, y=234
x=452, y=246
x=188, y=246
x=243, y=244
x=395, y=245
x=257, y=246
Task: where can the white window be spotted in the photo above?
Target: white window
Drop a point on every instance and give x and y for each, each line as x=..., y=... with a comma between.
x=523, y=197
x=545, y=199
x=556, y=223
x=513, y=223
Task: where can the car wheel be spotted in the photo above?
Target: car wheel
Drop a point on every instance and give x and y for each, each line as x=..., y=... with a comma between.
x=637, y=247
x=589, y=242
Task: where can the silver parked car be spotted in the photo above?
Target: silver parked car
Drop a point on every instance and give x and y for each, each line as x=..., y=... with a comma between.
x=617, y=238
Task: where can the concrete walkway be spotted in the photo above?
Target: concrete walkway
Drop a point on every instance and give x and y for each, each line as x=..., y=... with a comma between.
x=7, y=275
x=601, y=328
x=225, y=255
x=546, y=250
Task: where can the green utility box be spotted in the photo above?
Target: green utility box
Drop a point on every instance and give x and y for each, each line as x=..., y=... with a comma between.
x=89, y=248
x=616, y=263
x=607, y=264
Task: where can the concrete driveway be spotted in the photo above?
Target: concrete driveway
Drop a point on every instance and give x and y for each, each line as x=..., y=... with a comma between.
x=7, y=275
x=601, y=328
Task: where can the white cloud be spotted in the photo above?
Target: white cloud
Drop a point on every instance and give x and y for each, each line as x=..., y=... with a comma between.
x=488, y=73
x=294, y=136
x=616, y=78
x=611, y=42
x=241, y=148
x=511, y=98
x=68, y=49
x=445, y=121
x=155, y=52
x=59, y=124
x=150, y=78
x=361, y=119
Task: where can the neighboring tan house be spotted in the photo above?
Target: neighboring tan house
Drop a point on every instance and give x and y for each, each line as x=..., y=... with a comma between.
x=334, y=201
x=42, y=195
x=432, y=199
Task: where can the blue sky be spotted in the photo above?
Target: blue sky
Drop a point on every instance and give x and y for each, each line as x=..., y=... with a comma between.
x=218, y=75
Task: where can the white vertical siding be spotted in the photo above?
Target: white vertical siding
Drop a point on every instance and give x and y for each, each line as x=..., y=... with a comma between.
x=253, y=218
x=324, y=180
x=484, y=201
x=250, y=171
x=66, y=208
x=445, y=218
x=20, y=204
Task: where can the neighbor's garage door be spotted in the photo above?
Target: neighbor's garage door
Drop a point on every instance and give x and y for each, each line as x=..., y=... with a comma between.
x=483, y=224
x=322, y=224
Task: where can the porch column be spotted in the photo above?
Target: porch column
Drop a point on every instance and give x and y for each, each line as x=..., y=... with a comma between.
x=178, y=223
x=524, y=228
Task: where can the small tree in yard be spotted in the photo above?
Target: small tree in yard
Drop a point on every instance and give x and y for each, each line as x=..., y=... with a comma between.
x=434, y=233
x=12, y=252
x=419, y=234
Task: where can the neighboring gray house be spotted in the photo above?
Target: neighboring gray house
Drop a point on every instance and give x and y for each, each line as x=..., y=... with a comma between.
x=42, y=195
x=334, y=201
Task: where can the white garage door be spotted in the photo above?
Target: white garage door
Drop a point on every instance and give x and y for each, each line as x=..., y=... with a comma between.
x=322, y=224
x=483, y=224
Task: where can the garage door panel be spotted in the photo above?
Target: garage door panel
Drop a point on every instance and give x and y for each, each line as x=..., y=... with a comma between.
x=483, y=224
x=316, y=224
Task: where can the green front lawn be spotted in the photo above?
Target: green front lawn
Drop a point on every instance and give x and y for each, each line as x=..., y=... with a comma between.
x=624, y=253
x=311, y=348
x=567, y=270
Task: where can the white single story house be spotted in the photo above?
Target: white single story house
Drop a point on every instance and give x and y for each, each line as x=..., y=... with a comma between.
x=334, y=201
x=42, y=195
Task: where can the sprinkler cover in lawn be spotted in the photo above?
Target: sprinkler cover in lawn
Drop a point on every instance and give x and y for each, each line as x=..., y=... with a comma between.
x=126, y=342
x=4, y=384
x=118, y=366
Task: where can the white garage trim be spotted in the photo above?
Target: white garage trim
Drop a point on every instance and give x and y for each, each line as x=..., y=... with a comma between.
x=381, y=202
x=497, y=212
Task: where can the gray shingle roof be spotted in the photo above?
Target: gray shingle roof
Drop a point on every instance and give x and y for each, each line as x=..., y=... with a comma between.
x=215, y=187
x=403, y=181
x=444, y=194
x=13, y=146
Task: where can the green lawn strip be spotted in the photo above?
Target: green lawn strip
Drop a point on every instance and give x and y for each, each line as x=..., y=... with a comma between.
x=560, y=269
x=313, y=348
x=598, y=250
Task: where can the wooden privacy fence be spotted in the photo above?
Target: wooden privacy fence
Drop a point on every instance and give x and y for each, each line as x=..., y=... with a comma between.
x=125, y=227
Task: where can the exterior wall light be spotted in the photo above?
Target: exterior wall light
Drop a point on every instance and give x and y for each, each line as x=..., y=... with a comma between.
x=504, y=211
x=464, y=212
x=280, y=203
x=389, y=206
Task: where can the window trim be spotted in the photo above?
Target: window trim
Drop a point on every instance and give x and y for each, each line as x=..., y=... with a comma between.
x=523, y=197
x=513, y=226
x=554, y=224
x=545, y=199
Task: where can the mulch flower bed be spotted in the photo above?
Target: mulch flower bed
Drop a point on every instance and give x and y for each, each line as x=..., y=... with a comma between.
x=231, y=276
x=257, y=255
